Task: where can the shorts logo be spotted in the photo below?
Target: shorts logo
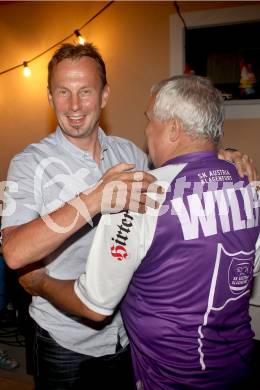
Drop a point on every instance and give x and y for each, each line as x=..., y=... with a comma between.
x=119, y=251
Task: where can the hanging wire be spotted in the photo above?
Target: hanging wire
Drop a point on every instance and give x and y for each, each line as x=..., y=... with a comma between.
x=187, y=69
x=176, y=5
x=61, y=41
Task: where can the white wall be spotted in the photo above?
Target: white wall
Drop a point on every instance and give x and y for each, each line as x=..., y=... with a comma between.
x=255, y=307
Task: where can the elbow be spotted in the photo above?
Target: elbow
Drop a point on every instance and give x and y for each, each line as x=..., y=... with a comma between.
x=13, y=252
x=11, y=262
x=9, y=250
x=11, y=258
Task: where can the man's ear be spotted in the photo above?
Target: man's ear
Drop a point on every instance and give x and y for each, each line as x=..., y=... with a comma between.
x=174, y=130
x=50, y=97
x=105, y=95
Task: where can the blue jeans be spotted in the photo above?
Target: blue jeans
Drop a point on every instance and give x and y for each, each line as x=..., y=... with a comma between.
x=57, y=368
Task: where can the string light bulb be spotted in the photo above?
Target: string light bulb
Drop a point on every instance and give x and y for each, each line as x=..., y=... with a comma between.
x=26, y=70
x=80, y=38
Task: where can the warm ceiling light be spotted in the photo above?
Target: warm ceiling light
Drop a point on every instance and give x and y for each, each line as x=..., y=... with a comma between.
x=80, y=38
x=26, y=70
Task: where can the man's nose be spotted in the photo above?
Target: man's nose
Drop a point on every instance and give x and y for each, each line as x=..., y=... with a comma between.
x=75, y=102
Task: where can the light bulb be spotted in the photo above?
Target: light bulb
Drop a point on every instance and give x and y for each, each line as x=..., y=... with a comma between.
x=26, y=70
x=81, y=39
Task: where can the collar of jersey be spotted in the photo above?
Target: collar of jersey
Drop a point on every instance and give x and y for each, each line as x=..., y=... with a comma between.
x=190, y=157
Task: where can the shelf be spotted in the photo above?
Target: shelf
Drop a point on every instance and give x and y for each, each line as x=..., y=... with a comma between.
x=242, y=109
x=234, y=109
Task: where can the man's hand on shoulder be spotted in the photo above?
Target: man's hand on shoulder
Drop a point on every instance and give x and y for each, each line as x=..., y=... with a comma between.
x=120, y=190
x=242, y=161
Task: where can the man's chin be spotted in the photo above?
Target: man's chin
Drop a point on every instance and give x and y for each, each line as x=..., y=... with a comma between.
x=77, y=132
x=74, y=133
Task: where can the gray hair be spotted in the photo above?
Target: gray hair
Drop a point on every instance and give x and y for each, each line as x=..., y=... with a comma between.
x=194, y=101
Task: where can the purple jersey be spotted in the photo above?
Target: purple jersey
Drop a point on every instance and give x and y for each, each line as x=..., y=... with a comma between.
x=186, y=309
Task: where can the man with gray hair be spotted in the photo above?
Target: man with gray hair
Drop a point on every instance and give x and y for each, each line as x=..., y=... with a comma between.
x=183, y=273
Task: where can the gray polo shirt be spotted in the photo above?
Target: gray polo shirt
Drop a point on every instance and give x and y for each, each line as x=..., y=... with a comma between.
x=40, y=179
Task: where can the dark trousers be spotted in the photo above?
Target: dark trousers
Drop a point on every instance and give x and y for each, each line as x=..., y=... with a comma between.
x=57, y=368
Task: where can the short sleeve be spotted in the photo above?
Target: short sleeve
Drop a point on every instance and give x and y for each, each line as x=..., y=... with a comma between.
x=112, y=261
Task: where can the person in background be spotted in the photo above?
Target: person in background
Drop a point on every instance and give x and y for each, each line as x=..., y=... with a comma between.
x=183, y=273
x=59, y=196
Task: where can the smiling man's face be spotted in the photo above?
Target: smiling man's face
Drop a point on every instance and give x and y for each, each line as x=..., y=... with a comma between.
x=77, y=96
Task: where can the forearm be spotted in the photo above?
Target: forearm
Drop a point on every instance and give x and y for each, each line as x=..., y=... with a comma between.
x=28, y=243
x=61, y=294
x=33, y=241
